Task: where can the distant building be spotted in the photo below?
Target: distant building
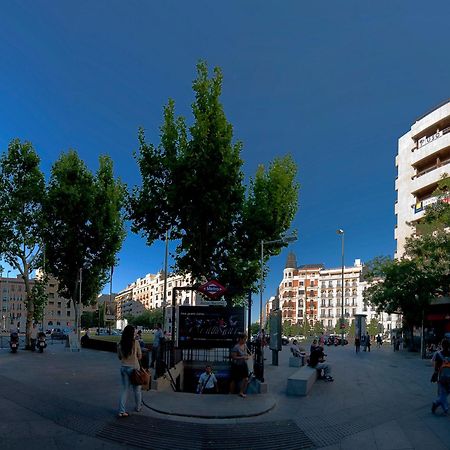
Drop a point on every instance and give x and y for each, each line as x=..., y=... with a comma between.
x=423, y=157
x=148, y=293
x=313, y=293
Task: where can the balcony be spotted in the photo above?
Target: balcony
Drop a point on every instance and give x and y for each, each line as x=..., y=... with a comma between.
x=432, y=146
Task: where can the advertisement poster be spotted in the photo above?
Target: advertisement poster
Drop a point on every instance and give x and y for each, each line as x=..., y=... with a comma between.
x=209, y=326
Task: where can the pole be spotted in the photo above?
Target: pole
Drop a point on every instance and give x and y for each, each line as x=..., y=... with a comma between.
x=261, y=286
x=110, y=295
x=165, y=279
x=8, y=305
x=249, y=321
x=79, y=307
x=342, y=297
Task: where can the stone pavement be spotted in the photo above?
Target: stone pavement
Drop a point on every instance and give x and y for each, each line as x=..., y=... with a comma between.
x=62, y=400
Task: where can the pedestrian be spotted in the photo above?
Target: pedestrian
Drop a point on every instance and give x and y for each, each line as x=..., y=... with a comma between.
x=158, y=339
x=33, y=337
x=322, y=340
x=394, y=343
x=239, y=367
x=379, y=341
x=317, y=361
x=367, y=342
x=129, y=352
x=314, y=345
x=207, y=382
x=357, y=344
x=441, y=375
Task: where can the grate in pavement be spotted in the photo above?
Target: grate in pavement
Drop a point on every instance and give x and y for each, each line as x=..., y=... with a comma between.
x=157, y=434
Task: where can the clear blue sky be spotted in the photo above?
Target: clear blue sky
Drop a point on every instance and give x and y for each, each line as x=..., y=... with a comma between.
x=334, y=83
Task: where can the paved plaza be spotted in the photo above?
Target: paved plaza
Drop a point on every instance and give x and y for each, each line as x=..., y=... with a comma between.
x=62, y=400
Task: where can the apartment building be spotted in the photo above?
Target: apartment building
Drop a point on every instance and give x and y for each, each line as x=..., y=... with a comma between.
x=423, y=157
x=313, y=293
x=148, y=293
x=58, y=312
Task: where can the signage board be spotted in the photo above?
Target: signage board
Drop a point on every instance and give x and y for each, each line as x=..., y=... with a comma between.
x=209, y=326
x=212, y=289
x=275, y=330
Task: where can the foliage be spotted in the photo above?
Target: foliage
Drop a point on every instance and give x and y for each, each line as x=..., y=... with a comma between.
x=22, y=221
x=338, y=329
x=351, y=329
x=254, y=328
x=437, y=215
x=148, y=319
x=192, y=185
x=373, y=327
x=405, y=287
x=89, y=319
x=85, y=226
x=318, y=328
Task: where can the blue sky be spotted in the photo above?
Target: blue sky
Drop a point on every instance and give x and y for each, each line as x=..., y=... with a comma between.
x=334, y=83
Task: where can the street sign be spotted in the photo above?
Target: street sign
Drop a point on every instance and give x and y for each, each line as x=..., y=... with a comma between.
x=212, y=289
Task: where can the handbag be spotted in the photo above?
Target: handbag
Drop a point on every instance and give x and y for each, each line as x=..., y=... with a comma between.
x=140, y=377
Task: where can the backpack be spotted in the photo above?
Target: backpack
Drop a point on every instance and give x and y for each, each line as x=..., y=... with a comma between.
x=444, y=370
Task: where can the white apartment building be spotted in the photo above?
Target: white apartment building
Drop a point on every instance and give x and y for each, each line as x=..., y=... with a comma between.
x=148, y=293
x=423, y=157
x=313, y=293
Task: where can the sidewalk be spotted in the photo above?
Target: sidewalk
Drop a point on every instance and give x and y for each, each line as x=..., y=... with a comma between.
x=379, y=400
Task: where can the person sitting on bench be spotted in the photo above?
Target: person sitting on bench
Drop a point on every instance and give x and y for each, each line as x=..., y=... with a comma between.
x=296, y=350
x=317, y=361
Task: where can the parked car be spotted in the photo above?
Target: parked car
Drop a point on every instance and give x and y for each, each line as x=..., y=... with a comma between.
x=58, y=333
x=284, y=340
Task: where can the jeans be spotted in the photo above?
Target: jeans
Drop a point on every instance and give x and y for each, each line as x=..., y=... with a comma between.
x=125, y=372
x=442, y=399
x=325, y=367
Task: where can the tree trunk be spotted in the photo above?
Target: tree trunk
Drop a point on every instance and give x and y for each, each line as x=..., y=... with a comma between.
x=30, y=308
x=76, y=307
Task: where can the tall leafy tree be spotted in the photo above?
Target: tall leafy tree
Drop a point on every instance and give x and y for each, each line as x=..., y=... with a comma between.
x=192, y=185
x=85, y=227
x=22, y=221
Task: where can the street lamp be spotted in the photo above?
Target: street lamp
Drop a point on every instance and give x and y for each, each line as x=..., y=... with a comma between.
x=342, y=234
x=261, y=288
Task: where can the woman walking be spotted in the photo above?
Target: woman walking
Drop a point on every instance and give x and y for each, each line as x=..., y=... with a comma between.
x=129, y=352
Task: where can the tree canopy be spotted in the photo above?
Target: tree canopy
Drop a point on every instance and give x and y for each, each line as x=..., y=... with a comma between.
x=192, y=185
x=22, y=220
x=85, y=226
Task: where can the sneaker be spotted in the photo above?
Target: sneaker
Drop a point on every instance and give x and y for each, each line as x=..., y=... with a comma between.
x=139, y=409
x=433, y=407
x=329, y=378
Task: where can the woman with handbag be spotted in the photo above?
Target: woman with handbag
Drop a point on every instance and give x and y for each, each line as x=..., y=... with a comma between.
x=129, y=352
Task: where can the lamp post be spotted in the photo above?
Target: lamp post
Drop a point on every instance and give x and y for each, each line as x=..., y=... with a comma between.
x=342, y=234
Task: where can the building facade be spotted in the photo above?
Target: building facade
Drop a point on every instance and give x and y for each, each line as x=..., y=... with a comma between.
x=148, y=293
x=423, y=158
x=58, y=312
x=313, y=293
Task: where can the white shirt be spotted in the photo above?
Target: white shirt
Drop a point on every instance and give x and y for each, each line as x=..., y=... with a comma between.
x=211, y=382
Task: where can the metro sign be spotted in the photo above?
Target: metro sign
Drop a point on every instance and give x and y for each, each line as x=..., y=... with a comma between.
x=212, y=289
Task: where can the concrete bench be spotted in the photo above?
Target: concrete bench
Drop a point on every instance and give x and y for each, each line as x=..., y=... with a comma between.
x=301, y=382
x=297, y=361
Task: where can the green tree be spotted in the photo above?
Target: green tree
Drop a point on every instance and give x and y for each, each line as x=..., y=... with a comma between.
x=287, y=328
x=437, y=215
x=318, y=327
x=372, y=327
x=254, y=328
x=351, y=329
x=338, y=329
x=22, y=194
x=89, y=319
x=85, y=227
x=305, y=328
x=400, y=286
x=192, y=185
x=148, y=319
